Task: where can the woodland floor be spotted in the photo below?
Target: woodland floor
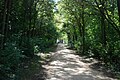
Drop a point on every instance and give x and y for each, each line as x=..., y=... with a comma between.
x=66, y=65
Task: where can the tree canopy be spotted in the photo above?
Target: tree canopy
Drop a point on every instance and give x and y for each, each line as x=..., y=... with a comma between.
x=91, y=27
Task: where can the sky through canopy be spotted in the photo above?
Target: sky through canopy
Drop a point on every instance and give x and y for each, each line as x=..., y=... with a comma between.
x=56, y=0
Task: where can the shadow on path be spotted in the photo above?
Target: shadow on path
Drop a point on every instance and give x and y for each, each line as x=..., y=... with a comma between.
x=65, y=65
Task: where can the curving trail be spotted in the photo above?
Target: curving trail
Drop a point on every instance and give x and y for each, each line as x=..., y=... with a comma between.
x=65, y=65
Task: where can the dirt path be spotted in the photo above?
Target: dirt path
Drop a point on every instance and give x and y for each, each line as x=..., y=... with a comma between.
x=67, y=66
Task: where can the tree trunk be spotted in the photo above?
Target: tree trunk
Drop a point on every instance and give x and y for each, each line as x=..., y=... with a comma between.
x=83, y=29
x=103, y=26
x=8, y=19
x=4, y=23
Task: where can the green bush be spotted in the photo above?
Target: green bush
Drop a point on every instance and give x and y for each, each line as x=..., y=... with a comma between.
x=10, y=59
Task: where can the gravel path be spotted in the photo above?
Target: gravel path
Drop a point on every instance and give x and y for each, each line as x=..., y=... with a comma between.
x=65, y=65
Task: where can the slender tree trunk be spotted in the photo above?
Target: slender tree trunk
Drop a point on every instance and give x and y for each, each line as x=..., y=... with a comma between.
x=8, y=19
x=103, y=26
x=4, y=23
x=103, y=31
x=35, y=17
x=83, y=29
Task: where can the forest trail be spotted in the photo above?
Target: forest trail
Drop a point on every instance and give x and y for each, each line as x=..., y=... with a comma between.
x=65, y=65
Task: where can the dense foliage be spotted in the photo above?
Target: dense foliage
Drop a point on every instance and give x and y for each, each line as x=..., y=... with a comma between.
x=27, y=27
x=93, y=28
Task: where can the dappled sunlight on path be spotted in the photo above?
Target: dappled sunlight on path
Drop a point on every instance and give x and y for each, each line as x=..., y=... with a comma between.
x=65, y=65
